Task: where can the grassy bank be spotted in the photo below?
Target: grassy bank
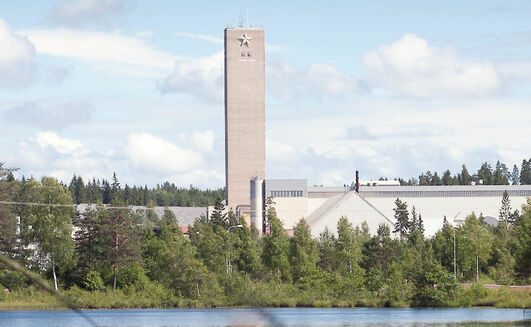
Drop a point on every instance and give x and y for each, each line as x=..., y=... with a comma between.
x=267, y=295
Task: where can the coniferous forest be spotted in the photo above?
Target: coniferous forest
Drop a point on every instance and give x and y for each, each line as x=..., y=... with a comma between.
x=116, y=257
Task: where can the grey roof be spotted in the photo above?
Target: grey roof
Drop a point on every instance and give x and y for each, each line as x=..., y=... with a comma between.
x=445, y=191
x=447, y=188
x=185, y=215
x=286, y=185
x=489, y=220
x=340, y=189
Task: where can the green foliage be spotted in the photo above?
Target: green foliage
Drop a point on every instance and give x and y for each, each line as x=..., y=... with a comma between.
x=523, y=251
x=12, y=280
x=443, y=246
x=434, y=286
x=153, y=264
x=304, y=253
x=211, y=246
x=402, y=223
x=506, y=211
x=93, y=281
x=246, y=249
x=327, y=251
x=48, y=227
x=348, y=247
x=276, y=246
x=474, y=250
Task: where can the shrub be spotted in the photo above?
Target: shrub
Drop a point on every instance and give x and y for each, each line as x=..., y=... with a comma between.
x=93, y=281
x=12, y=280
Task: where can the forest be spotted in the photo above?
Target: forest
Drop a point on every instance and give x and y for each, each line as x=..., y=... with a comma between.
x=116, y=257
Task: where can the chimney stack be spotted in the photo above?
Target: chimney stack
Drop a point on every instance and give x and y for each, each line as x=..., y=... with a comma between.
x=357, y=185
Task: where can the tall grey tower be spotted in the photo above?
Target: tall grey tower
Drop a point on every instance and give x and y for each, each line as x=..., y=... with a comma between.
x=244, y=112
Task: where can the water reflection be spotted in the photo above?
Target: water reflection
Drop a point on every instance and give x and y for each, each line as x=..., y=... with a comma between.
x=270, y=317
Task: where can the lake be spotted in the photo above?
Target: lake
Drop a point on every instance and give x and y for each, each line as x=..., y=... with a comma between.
x=270, y=317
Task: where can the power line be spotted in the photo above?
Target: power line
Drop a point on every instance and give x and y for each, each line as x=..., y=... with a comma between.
x=72, y=205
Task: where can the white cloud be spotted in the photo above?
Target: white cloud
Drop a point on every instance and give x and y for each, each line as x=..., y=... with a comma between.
x=446, y=136
x=50, y=113
x=61, y=145
x=204, y=141
x=99, y=46
x=291, y=83
x=152, y=152
x=333, y=81
x=411, y=66
x=76, y=13
x=16, y=58
x=201, y=77
x=204, y=37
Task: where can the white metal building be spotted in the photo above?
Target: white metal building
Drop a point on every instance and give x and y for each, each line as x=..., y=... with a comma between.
x=323, y=206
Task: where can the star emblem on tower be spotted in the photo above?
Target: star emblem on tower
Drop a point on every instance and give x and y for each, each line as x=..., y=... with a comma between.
x=245, y=40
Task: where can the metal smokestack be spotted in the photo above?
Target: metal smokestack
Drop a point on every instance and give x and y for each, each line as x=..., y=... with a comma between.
x=357, y=185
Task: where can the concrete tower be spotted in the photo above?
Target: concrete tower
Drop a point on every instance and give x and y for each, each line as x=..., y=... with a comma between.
x=244, y=112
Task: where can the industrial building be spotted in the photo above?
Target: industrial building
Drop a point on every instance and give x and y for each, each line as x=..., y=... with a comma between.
x=247, y=187
x=322, y=206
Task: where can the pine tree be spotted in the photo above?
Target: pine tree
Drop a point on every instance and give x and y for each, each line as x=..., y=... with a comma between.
x=402, y=223
x=123, y=235
x=90, y=239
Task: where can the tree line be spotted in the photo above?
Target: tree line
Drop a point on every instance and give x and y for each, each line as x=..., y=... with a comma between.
x=222, y=261
x=103, y=191
x=500, y=174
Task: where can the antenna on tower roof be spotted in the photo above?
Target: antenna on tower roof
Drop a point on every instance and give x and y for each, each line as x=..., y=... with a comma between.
x=247, y=18
x=241, y=19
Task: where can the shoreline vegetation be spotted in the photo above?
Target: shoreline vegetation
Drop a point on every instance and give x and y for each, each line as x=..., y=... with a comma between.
x=115, y=257
x=475, y=295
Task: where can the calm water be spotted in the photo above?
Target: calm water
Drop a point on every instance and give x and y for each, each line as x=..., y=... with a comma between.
x=271, y=317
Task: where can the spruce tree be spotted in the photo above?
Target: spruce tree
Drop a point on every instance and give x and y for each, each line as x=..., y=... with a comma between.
x=485, y=174
x=327, y=250
x=525, y=172
x=447, y=178
x=464, y=177
x=505, y=210
x=304, y=253
x=515, y=175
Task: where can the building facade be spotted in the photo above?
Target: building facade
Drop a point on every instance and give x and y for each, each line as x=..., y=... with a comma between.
x=244, y=113
x=322, y=206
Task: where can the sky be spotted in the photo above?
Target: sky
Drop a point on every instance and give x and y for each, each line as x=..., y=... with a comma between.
x=389, y=88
